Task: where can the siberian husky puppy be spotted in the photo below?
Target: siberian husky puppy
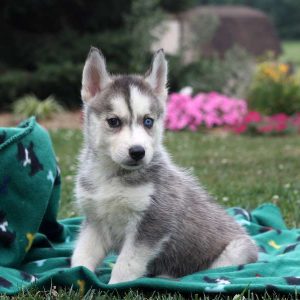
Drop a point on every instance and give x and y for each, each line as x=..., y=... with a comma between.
x=136, y=201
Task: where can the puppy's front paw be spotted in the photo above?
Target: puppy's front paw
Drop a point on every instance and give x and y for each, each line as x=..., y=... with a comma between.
x=118, y=279
x=118, y=276
x=83, y=262
x=112, y=281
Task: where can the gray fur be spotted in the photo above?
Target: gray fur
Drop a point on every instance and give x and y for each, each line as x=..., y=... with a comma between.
x=182, y=222
x=198, y=228
x=120, y=86
x=87, y=184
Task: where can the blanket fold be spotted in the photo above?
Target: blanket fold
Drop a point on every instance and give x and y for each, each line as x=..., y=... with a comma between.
x=35, y=248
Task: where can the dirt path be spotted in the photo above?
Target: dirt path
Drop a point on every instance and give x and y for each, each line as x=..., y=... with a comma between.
x=71, y=120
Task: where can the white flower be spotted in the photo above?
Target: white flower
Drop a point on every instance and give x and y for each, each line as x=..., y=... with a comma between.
x=187, y=90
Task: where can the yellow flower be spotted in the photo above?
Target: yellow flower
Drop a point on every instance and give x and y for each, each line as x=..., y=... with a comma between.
x=283, y=68
x=277, y=72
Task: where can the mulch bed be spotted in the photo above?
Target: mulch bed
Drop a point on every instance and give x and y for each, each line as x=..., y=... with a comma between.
x=69, y=120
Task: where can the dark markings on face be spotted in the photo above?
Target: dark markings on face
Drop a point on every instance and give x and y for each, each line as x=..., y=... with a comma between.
x=100, y=106
x=121, y=86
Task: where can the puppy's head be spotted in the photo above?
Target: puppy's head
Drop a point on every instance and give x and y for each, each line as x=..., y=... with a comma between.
x=124, y=114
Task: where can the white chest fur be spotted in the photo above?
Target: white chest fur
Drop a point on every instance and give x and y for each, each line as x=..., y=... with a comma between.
x=115, y=207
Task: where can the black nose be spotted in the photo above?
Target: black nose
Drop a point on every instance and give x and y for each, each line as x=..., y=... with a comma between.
x=136, y=152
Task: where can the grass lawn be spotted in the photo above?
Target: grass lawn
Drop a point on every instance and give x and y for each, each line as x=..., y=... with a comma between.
x=291, y=53
x=237, y=170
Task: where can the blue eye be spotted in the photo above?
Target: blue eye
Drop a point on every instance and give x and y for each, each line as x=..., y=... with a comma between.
x=148, y=122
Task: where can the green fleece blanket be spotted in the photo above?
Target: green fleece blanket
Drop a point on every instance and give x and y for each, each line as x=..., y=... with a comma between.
x=35, y=248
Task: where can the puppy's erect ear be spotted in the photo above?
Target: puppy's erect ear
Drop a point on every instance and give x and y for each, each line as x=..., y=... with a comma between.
x=94, y=76
x=157, y=75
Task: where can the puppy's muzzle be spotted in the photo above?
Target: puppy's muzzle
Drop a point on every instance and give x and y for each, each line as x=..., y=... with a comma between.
x=137, y=152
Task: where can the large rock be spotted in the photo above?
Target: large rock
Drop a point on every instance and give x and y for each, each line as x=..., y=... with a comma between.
x=215, y=29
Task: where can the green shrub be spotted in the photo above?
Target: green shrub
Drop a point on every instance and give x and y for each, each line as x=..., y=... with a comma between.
x=52, y=55
x=30, y=105
x=274, y=90
x=230, y=75
x=12, y=85
x=63, y=81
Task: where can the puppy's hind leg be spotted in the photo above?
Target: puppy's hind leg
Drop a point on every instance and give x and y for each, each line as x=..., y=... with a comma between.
x=90, y=248
x=239, y=251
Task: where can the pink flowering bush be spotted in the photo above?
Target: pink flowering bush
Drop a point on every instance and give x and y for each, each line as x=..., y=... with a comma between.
x=255, y=123
x=204, y=109
x=213, y=109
